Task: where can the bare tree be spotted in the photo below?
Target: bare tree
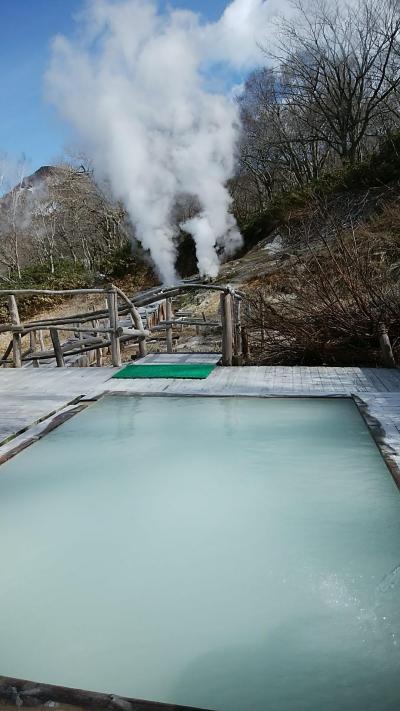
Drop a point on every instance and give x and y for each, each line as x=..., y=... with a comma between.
x=341, y=71
x=327, y=98
x=74, y=219
x=11, y=221
x=274, y=147
x=44, y=227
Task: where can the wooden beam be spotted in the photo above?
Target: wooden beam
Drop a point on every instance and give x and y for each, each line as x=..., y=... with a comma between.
x=33, y=346
x=32, y=340
x=55, y=339
x=237, y=333
x=14, y=315
x=227, y=329
x=133, y=333
x=188, y=322
x=168, y=318
x=94, y=341
x=69, y=320
x=99, y=351
x=386, y=347
x=153, y=299
x=73, y=349
x=137, y=319
x=41, y=339
x=50, y=292
x=113, y=317
x=69, y=328
x=166, y=292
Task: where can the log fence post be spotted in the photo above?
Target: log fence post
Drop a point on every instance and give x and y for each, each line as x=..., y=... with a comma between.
x=55, y=339
x=33, y=347
x=142, y=348
x=112, y=303
x=238, y=353
x=41, y=340
x=137, y=320
x=16, y=338
x=32, y=341
x=386, y=347
x=227, y=329
x=99, y=351
x=168, y=314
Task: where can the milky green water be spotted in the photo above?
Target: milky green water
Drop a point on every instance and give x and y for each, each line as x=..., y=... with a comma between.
x=230, y=554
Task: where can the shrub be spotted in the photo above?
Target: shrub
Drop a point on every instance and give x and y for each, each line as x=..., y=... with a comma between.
x=331, y=307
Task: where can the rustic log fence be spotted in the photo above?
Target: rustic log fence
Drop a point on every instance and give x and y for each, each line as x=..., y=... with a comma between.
x=92, y=332
x=230, y=316
x=120, y=322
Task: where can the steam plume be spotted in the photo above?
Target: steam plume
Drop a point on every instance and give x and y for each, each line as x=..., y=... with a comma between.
x=133, y=83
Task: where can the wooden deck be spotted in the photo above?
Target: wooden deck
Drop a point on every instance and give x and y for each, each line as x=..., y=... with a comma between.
x=28, y=395
x=29, y=398
x=264, y=381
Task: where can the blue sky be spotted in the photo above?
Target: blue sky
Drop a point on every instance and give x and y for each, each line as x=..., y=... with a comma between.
x=27, y=124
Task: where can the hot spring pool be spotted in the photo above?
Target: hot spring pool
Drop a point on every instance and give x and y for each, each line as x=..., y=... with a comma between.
x=230, y=554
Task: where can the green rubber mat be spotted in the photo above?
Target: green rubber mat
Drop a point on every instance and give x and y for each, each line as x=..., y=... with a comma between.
x=196, y=371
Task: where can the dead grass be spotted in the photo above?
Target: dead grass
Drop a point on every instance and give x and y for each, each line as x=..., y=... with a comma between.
x=325, y=306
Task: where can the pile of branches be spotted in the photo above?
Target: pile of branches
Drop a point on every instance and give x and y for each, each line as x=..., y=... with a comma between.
x=329, y=306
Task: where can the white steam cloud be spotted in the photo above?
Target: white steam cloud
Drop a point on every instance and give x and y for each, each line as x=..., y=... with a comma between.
x=133, y=83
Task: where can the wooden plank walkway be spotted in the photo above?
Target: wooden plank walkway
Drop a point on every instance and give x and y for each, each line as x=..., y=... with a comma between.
x=28, y=396
x=264, y=381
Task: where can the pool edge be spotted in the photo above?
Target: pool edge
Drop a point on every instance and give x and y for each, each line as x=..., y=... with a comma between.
x=19, y=693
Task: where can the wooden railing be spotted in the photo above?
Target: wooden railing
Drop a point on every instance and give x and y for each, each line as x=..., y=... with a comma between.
x=120, y=322
x=93, y=331
x=230, y=316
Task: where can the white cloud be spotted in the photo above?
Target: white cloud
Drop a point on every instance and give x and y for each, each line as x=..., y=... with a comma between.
x=245, y=26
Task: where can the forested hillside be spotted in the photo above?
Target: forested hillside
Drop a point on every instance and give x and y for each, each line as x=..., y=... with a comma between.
x=59, y=227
